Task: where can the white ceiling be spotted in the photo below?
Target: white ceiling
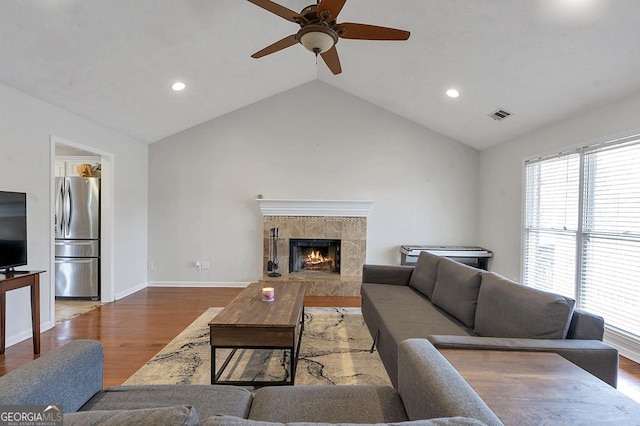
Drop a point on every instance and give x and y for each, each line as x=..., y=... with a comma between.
x=112, y=61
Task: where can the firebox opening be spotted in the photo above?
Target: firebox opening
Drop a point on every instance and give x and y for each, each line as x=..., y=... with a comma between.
x=314, y=255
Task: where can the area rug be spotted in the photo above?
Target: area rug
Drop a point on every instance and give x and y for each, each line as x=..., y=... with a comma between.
x=334, y=350
x=67, y=309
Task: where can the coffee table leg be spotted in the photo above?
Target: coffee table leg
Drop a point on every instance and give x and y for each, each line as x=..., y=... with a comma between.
x=213, y=365
x=293, y=366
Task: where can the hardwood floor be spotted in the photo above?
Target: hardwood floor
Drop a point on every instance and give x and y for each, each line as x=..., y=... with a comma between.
x=135, y=328
x=629, y=378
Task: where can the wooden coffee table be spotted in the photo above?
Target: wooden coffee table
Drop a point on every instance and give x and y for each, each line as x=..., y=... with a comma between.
x=248, y=322
x=538, y=388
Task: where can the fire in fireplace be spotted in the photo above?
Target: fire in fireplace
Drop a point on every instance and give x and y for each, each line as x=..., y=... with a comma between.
x=309, y=255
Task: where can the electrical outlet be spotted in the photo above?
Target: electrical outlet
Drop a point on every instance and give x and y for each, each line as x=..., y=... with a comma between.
x=206, y=264
x=150, y=265
x=197, y=265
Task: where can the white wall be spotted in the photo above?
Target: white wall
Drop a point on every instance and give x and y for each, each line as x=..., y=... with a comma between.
x=26, y=125
x=312, y=142
x=501, y=174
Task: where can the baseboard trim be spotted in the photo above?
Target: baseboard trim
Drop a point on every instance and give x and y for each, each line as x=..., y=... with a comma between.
x=46, y=326
x=17, y=338
x=130, y=291
x=197, y=284
x=27, y=334
x=626, y=346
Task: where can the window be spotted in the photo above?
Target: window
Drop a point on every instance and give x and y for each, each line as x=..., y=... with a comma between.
x=582, y=230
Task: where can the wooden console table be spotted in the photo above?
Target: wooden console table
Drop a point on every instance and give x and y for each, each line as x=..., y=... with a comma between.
x=12, y=281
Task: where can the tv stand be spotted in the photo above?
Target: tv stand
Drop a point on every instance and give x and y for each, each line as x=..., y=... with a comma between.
x=12, y=280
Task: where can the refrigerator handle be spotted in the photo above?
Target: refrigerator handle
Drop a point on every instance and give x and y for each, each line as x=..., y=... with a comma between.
x=59, y=216
x=67, y=206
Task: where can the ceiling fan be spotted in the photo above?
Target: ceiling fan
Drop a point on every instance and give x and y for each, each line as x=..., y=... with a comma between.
x=319, y=32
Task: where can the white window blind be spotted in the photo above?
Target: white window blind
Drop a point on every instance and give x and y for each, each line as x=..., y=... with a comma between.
x=582, y=230
x=551, y=223
x=610, y=255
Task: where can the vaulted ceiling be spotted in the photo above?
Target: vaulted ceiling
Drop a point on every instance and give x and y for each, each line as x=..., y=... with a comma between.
x=112, y=61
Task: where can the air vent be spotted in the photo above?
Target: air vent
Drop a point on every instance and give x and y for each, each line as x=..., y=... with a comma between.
x=500, y=114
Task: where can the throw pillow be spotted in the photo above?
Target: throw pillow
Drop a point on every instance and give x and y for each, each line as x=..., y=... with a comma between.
x=456, y=290
x=424, y=273
x=509, y=309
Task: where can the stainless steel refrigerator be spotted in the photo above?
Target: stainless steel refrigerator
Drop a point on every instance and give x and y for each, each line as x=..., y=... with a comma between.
x=77, y=244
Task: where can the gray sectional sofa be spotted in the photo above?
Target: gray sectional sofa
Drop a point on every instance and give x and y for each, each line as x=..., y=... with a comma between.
x=429, y=392
x=456, y=306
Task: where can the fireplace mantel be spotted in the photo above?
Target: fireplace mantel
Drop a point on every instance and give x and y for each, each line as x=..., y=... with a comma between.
x=344, y=208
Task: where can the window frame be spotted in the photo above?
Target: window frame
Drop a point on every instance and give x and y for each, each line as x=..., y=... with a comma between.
x=617, y=335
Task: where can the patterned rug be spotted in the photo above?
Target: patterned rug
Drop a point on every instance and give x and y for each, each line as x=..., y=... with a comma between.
x=334, y=350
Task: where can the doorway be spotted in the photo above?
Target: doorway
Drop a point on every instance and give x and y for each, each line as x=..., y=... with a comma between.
x=62, y=148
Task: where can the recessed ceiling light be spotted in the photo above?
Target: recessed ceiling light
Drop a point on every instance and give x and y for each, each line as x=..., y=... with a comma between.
x=573, y=11
x=453, y=93
x=178, y=86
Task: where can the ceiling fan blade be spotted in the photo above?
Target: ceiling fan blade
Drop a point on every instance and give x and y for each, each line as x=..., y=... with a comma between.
x=278, y=45
x=276, y=9
x=330, y=57
x=369, y=32
x=332, y=6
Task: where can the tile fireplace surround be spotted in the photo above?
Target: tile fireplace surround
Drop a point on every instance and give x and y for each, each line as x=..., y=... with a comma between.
x=343, y=220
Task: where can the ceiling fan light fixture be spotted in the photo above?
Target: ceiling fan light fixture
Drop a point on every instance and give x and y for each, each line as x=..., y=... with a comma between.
x=317, y=38
x=319, y=30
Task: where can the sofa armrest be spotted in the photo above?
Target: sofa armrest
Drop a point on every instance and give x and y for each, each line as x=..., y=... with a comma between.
x=585, y=325
x=386, y=274
x=430, y=387
x=594, y=356
x=68, y=376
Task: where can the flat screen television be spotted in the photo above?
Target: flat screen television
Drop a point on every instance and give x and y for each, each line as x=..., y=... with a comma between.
x=13, y=230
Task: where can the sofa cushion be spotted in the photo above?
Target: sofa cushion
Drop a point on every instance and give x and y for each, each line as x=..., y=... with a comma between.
x=509, y=309
x=424, y=274
x=456, y=290
x=396, y=313
x=182, y=415
x=328, y=403
x=230, y=421
x=208, y=400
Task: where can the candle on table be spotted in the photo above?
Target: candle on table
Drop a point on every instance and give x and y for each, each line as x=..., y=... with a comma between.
x=268, y=293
